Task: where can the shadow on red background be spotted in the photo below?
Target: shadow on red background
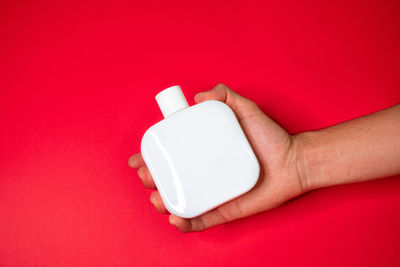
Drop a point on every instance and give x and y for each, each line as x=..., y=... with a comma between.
x=77, y=86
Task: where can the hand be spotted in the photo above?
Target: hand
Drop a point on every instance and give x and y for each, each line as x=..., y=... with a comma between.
x=279, y=180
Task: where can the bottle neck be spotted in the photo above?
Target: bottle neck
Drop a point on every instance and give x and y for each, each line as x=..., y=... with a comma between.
x=171, y=100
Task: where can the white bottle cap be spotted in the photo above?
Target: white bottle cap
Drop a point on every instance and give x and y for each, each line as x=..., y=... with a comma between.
x=171, y=100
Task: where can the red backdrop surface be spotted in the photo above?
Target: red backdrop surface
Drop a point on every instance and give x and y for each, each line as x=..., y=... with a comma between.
x=77, y=87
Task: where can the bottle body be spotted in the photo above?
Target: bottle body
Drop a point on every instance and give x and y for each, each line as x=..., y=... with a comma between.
x=199, y=158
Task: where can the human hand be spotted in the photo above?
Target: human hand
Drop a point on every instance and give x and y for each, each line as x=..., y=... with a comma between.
x=276, y=150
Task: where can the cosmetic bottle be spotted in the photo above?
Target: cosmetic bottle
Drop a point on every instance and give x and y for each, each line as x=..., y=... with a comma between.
x=198, y=156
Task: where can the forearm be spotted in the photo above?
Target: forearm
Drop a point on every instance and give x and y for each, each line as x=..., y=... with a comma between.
x=352, y=151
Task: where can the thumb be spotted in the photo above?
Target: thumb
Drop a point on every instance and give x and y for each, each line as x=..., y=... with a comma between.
x=242, y=107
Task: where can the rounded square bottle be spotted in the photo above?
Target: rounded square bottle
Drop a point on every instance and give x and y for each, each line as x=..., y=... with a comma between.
x=198, y=156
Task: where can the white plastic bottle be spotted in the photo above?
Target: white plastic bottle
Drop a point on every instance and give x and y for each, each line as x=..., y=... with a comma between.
x=198, y=156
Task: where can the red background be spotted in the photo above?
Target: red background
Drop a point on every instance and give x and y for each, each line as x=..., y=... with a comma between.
x=77, y=87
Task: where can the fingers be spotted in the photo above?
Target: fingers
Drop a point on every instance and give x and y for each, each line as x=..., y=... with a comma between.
x=136, y=161
x=242, y=107
x=220, y=215
x=197, y=224
x=145, y=176
x=156, y=200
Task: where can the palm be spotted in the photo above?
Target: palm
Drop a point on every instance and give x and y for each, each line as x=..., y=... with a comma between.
x=279, y=180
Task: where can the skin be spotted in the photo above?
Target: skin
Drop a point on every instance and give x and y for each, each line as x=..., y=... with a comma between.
x=353, y=151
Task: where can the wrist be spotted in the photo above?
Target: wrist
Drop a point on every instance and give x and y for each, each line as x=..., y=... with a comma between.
x=307, y=161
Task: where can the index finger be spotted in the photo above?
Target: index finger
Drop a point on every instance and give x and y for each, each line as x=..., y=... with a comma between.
x=242, y=106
